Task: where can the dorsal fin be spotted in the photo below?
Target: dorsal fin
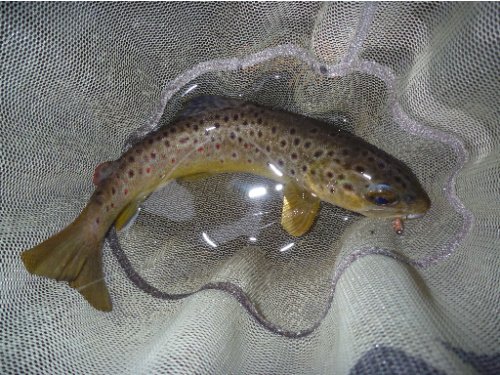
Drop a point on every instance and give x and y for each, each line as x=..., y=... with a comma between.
x=207, y=103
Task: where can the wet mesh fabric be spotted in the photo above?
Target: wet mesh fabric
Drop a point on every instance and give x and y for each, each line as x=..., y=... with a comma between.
x=206, y=281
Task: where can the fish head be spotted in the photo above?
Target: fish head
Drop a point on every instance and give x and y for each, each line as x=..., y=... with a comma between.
x=373, y=189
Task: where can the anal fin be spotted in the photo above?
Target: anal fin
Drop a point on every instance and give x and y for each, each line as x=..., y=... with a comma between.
x=127, y=216
x=300, y=209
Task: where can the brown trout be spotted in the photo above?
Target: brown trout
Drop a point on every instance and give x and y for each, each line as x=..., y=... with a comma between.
x=313, y=160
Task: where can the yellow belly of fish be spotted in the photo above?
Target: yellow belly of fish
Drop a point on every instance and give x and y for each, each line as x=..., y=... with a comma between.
x=300, y=207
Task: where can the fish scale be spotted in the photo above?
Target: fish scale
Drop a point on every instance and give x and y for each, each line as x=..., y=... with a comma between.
x=314, y=161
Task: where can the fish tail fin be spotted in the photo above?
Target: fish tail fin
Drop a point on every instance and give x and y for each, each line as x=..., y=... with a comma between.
x=72, y=256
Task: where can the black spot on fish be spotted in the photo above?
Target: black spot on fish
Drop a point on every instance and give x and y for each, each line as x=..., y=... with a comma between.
x=283, y=143
x=331, y=153
x=259, y=134
x=329, y=174
x=347, y=187
x=226, y=118
x=345, y=152
x=359, y=168
x=307, y=144
x=217, y=125
x=313, y=130
x=273, y=129
x=232, y=135
x=381, y=165
x=341, y=177
x=259, y=121
x=292, y=131
x=150, y=141
x=281, y=162
x=304, y=168
x=252, y=133
x=131, y=173
x=268, y=148
x=131, y=159
x=318, y=153
x=296, y=141
x=235, y=117
x=370, y=158
x=195, y=127
x=172, y=130
x=292, y=171
x=294, y=156
x=245, y=122
x=166, y=143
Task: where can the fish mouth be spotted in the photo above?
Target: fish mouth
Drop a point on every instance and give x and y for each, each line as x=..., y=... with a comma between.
x=414, y=216
x=384, y=213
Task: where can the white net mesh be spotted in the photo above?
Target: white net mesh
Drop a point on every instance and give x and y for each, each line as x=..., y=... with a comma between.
x=82, y=81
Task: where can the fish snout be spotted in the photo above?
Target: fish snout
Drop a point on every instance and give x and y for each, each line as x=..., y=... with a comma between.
x=417, y=206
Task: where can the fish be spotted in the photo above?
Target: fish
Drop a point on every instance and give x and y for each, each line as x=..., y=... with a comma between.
x=313, y=160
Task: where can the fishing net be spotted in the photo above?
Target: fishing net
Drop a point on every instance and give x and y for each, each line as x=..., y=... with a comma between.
x=206, y=280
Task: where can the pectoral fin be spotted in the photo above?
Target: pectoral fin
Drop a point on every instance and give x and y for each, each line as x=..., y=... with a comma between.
x=127, y=216
x=300, y=209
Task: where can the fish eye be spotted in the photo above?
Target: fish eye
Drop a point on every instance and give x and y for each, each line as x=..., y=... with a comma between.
x=381, y=194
